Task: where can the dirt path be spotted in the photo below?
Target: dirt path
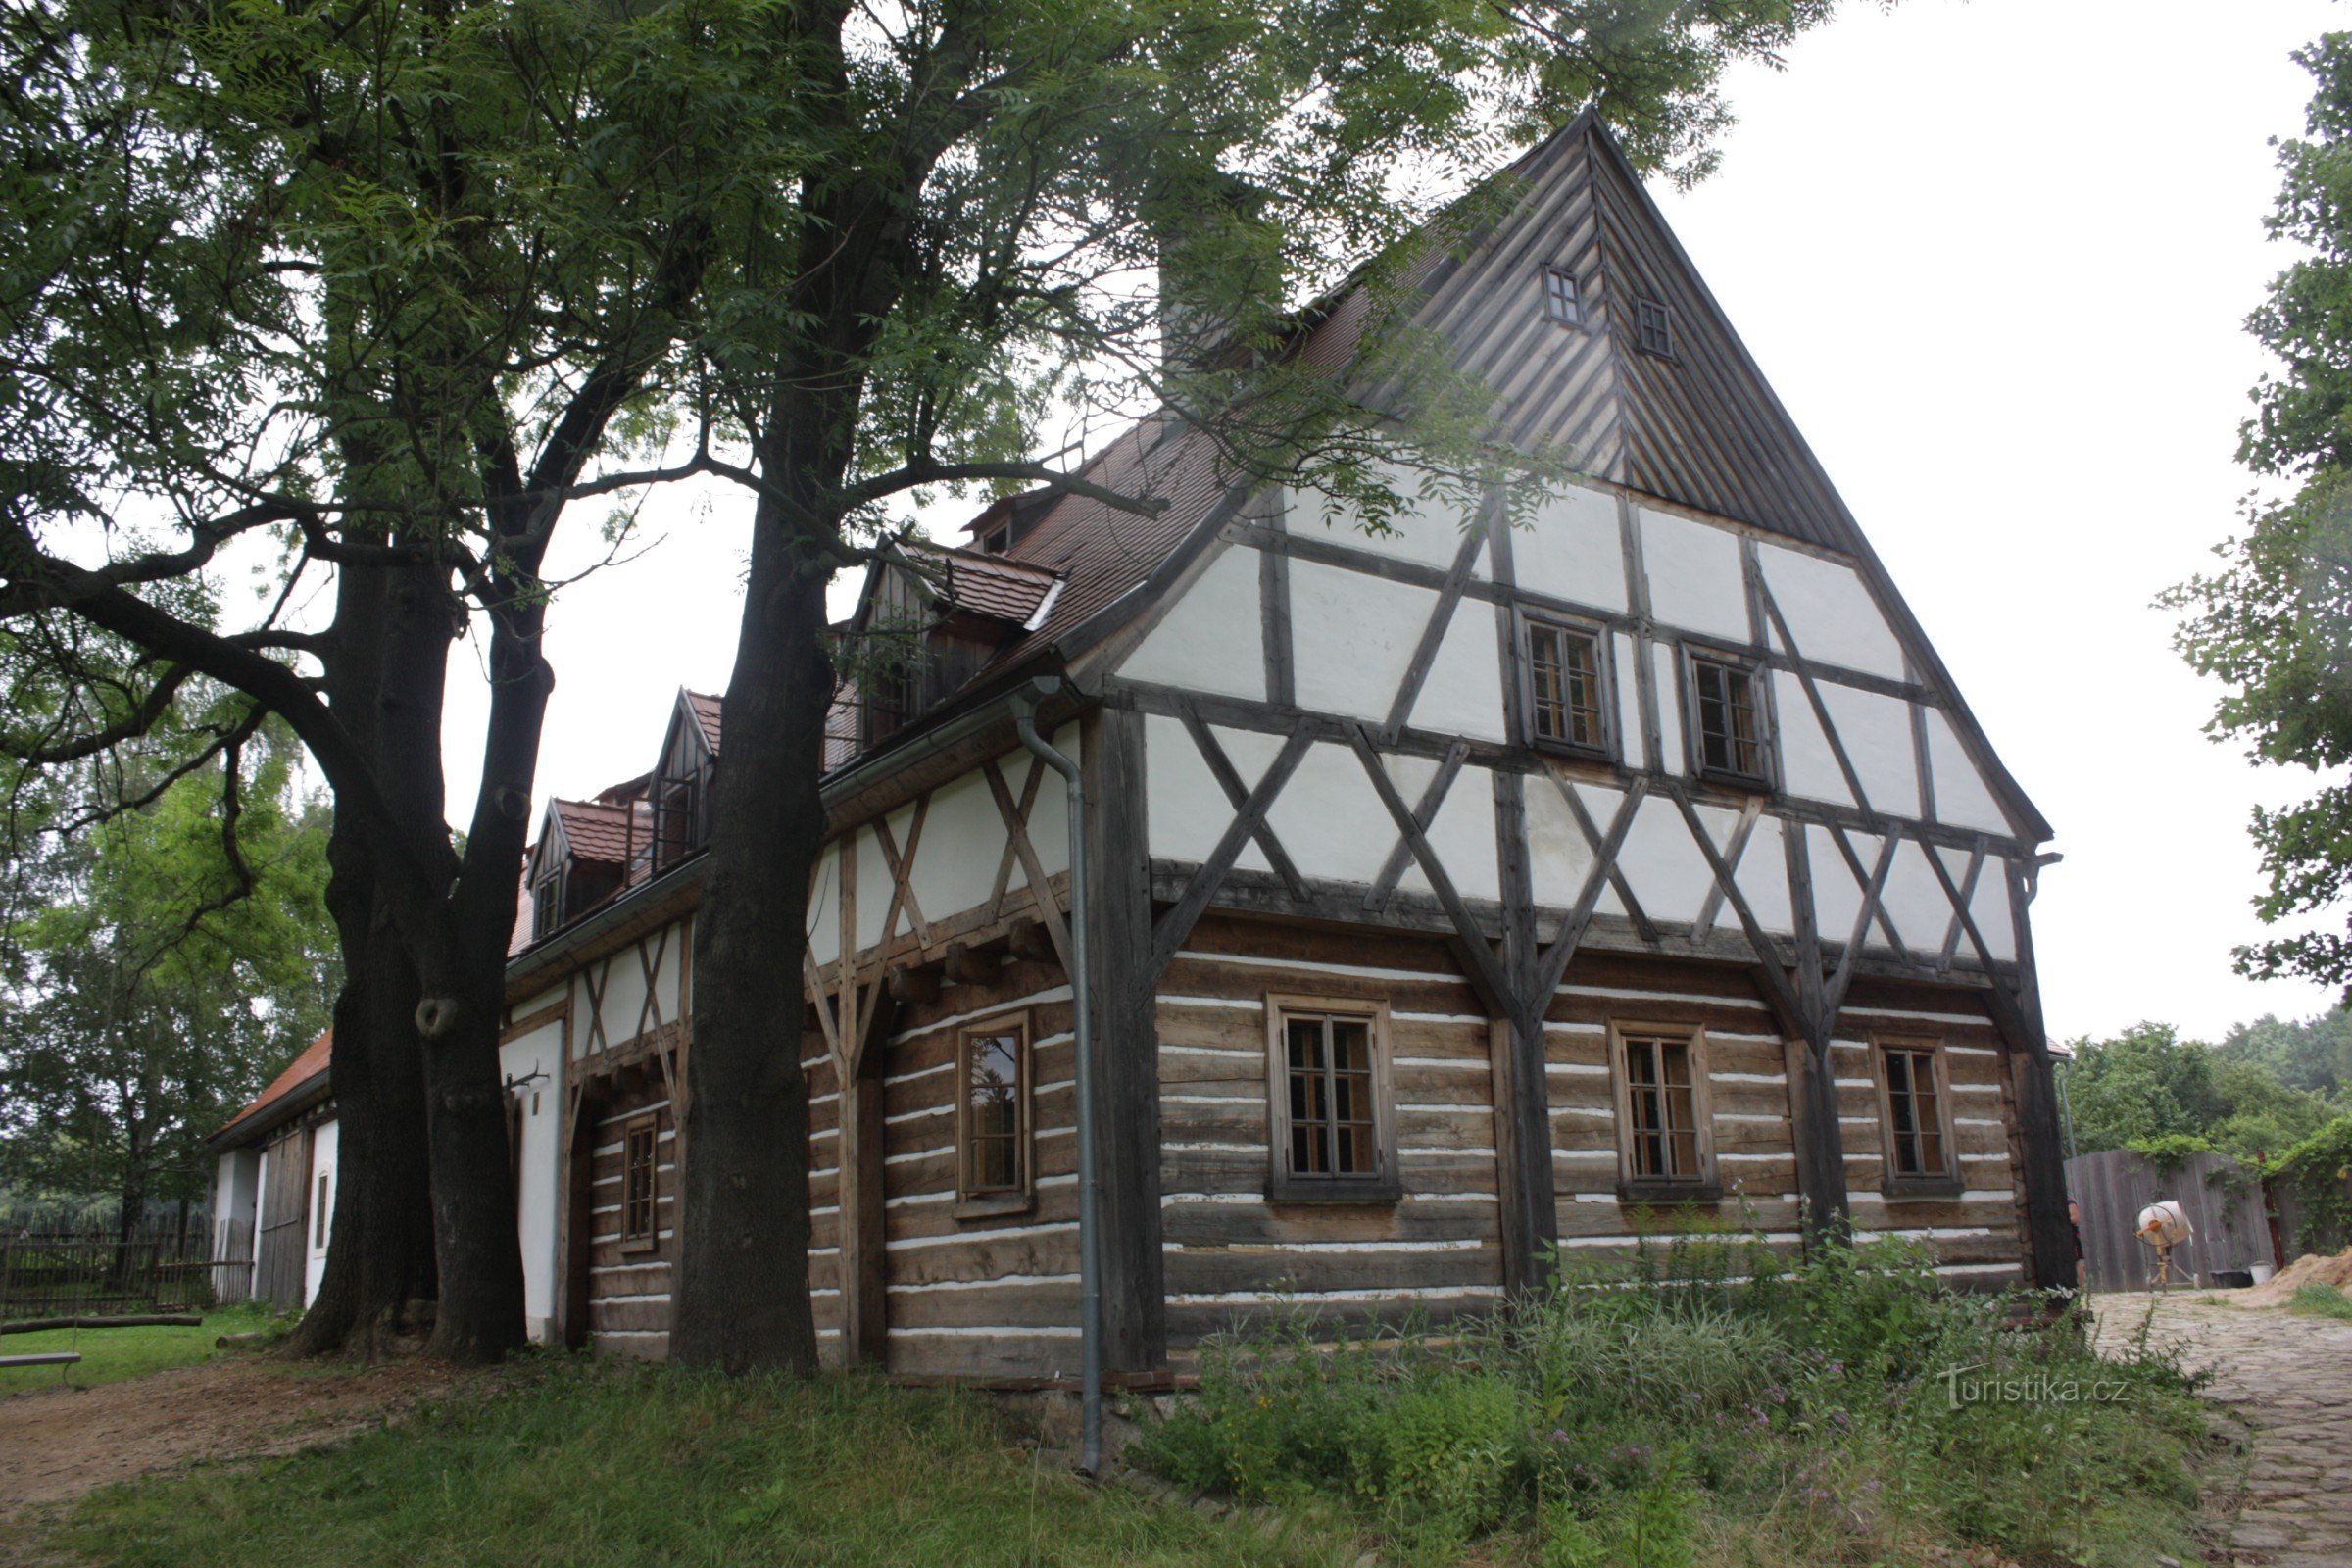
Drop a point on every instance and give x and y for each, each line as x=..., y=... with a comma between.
x=57, y=1444
x=2289, y=1379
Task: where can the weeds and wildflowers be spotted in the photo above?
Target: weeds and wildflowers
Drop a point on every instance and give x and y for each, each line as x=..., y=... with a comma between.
x=1709, y=1400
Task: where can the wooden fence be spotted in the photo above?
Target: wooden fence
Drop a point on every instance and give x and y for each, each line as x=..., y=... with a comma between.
x=70, y=1277
x=2222, y=1199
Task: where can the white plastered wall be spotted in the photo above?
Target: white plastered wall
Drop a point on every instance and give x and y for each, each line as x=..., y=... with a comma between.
x=1694, y=577
x=1209, y=639
x=320, y=1229
x=1830, y=613
x=1352, y=636
x=1427, y=531
x=236, y=1189
x=1571, y=549
x=533, y=1064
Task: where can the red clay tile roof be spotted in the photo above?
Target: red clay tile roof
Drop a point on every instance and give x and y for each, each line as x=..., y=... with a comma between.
x=998, y=587
x=601, y=833
x=299, y=1072
x=705, y=713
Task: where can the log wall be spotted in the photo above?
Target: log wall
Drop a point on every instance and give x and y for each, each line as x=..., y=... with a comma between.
x=629, y=1293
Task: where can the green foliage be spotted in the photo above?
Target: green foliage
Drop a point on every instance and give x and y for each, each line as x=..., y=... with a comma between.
x=2169, y=1152
x=2318, y=1300
x=160, y=969
x=2274, y=626
x=587, y=1466
x=2149, y=1090
x=2319, y=1171
x=2314, y=1055
x=1712, y=1400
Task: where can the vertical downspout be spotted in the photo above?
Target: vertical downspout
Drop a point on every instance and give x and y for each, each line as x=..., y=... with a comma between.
x=1089, y=1240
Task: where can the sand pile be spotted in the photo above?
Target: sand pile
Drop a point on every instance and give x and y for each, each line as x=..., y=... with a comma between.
x=2308, y=1269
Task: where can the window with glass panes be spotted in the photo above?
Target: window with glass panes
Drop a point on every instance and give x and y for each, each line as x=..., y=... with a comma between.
x=640, y=1145
x=1727, y=701
x=1564, y=686
x=1661, y=1109
x=1914, y=1112
x=1560, y=300
x=1653, y=328
x=996, y=1112
x=1332, y=1093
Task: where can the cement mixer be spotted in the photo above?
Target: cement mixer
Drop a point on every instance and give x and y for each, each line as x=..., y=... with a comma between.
x=2162, y=1226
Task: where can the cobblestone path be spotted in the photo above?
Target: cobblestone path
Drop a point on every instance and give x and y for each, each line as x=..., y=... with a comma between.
x=2288, y=1378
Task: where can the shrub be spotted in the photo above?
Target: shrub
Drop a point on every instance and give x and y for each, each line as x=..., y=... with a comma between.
x=1708, y=1399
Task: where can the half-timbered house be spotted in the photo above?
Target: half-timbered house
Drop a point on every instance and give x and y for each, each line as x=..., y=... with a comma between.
x=1458, y=896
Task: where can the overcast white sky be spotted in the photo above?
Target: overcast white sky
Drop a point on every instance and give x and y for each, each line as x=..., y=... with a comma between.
x=1995, y=256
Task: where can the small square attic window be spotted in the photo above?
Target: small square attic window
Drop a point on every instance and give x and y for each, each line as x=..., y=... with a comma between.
x=1561, y=303
x=1653, y=328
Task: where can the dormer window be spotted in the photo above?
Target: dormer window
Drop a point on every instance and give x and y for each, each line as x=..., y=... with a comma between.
x=1561, y=301
x=547, y=892
x=681, y=793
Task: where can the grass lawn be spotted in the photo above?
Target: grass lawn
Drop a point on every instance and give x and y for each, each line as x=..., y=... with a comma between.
x=111, y=1355
x=2319, y=1300
x=578, y=1463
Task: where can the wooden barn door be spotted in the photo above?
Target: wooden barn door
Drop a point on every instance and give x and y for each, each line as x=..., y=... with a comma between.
x=281, y=1250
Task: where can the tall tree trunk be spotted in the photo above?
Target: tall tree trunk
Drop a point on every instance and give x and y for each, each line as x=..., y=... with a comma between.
x=381, y=1270
x=742, y=1300
x=479, y=1257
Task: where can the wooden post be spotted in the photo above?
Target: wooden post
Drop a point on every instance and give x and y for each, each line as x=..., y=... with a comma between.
x=863, y=1273
x=2051, y=1238
x=1813, y=1124
x=1126, y=1042
x=1530, y=1211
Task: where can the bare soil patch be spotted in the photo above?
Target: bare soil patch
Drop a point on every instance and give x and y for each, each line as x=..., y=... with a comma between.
x=2311, y=1269
x=58, y=1443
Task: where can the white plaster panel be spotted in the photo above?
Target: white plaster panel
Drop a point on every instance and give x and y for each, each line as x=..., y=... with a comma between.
x=530, y=1005
x=874, y=884
x=1252, y=753
x=1668, y=875
x=1695, y=577
x=825, y=909
x=1915, y=901
x=316, y=1238
x=1628, y=704
x=1049, y=817
x=1961, y=796
x=1836, y=896
x=538, y=1171
x=1571, y=549
x=1762, y=877
x=1831, y=612
x=1351, y=636
x=1186, y=811
x=1990, y=908
x=1557, y=853
x=1462, y=694
x=625, y=995
x=1671, y=730
x=1209, y=640
x=963, y=844
x=1329, y=818
x=1808, y=767
x=1875, y=731
x=1463, y=835
x=1427, y=528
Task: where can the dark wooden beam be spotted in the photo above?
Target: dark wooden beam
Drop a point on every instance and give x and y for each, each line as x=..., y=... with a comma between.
x=1124, y=980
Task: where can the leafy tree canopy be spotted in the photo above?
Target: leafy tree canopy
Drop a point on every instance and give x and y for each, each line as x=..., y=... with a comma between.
x=2147, y=1086
x=2274, y=626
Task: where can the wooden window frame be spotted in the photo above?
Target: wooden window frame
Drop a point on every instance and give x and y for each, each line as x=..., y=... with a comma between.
x=1647, y=311
x=1020, y=1198
x=1947, y=1183
x=319, y=1220
x=1283, y=1185
x=1767, y=776
x=1560, y=286
x=1706, y=1185
x=649, y=1124
x=1604, y=675
x=547, y=914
